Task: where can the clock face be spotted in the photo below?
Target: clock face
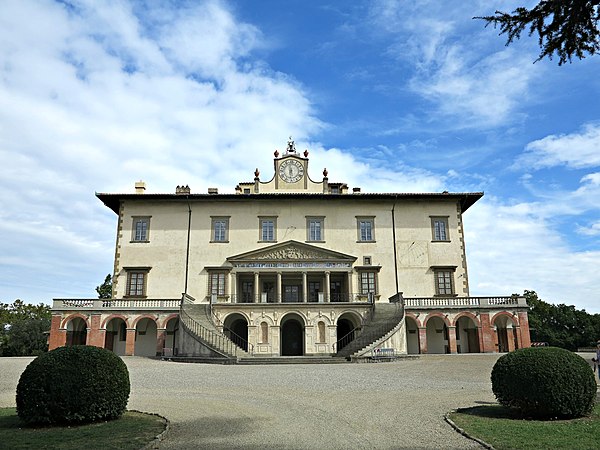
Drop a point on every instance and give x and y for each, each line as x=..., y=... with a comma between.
x=291, y=171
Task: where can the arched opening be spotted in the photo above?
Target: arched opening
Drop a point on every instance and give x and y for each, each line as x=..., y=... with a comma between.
x=292, y=336
x=235, y=328
x=347, y=330
x=505, y=333
x=467, y=335
x=412, y=336
x=437, y=336
x=116, y=334
x=171, y=335
x=76, y=332
x=145, y=338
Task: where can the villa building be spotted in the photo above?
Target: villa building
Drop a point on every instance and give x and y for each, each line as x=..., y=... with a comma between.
x=290, y=267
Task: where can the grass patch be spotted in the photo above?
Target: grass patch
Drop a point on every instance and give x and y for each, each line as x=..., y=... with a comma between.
x=132, y=431
x=504, y=428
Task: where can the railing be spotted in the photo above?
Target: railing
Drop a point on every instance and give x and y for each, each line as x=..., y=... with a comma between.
x=476, y=302
x=111, y=303
x=272, y=298
x=345, y=340
x=239, y=341
x=218, y=342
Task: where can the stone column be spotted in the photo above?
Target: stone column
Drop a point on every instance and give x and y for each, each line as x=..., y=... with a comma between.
x=350, y=287
x=304, y=287
x=452, y=339
x=58, y=336
x=256, y=287
x=488, y=344
x=130, y=342
x=278, y=293
x=161, y=334
x=524, y=329
x=327, y=286
x=510, y=336
x=233, y=287
x=95, y=336
x=422, y=340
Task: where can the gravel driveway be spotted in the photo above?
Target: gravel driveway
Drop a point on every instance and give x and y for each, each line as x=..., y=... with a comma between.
x=339, y=406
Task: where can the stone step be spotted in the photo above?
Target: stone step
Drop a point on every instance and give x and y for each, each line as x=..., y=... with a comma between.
x=385, y=317
x=292, y=360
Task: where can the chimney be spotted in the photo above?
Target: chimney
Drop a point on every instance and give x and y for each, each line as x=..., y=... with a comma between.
x=356, y=190
x=182, y=190
x=140, y=187
x=213, y=191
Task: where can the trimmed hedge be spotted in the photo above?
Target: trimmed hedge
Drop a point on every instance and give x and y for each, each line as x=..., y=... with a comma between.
x=71, y=385
x=545, y=382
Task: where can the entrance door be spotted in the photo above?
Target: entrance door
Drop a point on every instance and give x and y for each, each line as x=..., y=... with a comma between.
x=108, y=340
x=292, y=342
x=502, y=340
x=335, y=290
x=247, y=291
x=291, y=294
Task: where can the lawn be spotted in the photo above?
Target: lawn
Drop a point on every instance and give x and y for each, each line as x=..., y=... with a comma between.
x=132, y=431
x=503, y=428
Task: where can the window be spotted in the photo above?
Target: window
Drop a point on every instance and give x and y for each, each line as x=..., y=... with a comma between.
x=315, y=228
x=366, y=229
x=268, y=228
x=136, y=283
x=444, y=284
x=366, y=260
x=439, y=228
x=220, y=229
x=367, y=283
x=140, y=228
x=246, y=190
x=217, y=283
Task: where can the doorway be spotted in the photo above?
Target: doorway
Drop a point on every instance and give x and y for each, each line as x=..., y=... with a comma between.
x=292, y=336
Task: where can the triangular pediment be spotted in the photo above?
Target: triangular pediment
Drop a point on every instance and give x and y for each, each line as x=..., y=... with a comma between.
x=292, y=251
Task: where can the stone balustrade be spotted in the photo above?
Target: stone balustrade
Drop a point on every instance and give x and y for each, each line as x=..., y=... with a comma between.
x=464, y=302
x=69, y=304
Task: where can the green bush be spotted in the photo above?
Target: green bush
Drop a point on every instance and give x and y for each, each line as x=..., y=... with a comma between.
x=76, y=384
x=545, y=382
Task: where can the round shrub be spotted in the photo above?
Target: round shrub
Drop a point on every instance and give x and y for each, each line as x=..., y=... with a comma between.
x=73, y=385
x=545, y=382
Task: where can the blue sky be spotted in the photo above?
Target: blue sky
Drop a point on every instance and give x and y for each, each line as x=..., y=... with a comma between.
x=391, y=96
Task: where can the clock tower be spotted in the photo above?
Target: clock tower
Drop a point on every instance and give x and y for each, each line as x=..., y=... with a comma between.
x=291, y=175
x=291, y=169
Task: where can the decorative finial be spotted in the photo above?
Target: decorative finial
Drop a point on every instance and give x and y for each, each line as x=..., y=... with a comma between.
x=325, y=172
x=291, y=146
x=276, y=153
x=256, y=173
x=306, y=153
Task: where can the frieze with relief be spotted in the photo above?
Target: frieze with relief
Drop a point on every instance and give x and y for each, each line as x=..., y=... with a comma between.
x=292, y=252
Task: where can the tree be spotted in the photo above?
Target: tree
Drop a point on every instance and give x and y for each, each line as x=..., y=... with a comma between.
x=561, y=325
x=565, y=27
x=105, y=289
x=23, y=328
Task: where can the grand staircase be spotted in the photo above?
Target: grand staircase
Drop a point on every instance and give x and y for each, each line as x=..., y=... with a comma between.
x=198, y=324
x=385, y=320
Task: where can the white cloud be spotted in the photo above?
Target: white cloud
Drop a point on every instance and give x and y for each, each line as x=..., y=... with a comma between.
x=575, y=150
x=450, y=72
x=591, y=230
x=511, y=248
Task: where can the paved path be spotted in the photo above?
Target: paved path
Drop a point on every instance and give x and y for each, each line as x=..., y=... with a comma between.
x=385, y=405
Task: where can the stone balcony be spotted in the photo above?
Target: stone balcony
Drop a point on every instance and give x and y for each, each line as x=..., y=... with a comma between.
x=415, y=303
x=420, y=303
x=112, y=304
